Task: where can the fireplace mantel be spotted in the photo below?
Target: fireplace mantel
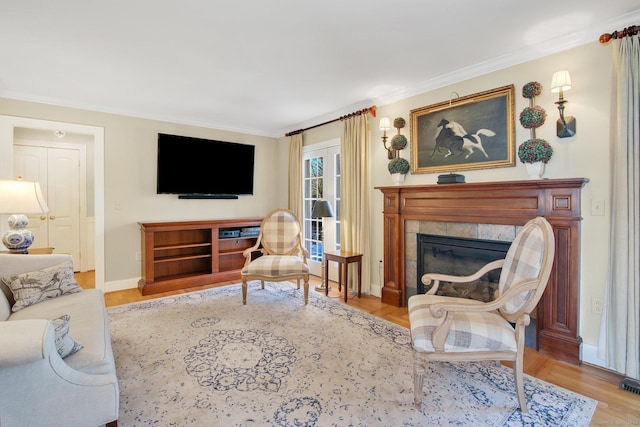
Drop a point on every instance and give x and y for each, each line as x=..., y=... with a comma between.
x=509, y=203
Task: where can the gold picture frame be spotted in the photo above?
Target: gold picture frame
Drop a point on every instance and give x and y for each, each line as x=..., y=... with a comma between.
x=473, y=132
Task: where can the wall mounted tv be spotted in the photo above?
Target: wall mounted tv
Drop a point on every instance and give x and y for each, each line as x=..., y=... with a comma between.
x=196, y=168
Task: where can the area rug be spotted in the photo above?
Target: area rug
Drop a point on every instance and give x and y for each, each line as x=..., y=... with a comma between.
x=204, y=359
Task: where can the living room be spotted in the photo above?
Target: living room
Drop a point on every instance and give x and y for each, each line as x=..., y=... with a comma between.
x=124, y=185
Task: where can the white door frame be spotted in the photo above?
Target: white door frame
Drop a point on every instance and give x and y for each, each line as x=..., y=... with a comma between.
x=7, y=126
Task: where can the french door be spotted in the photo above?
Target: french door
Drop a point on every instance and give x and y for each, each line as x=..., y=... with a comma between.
x=321, y=181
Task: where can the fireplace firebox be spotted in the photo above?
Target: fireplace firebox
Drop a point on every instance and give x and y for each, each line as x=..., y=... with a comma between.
x=458, y=256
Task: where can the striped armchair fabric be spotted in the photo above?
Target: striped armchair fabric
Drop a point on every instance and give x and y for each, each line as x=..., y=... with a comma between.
x=282, y=255
x=456, y=329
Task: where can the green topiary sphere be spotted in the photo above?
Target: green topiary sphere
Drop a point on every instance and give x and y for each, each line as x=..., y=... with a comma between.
x=399, y=165
x=399, y=122
x=398, y=142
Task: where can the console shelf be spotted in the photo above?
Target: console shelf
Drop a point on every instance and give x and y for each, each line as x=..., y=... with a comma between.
x=183, y=254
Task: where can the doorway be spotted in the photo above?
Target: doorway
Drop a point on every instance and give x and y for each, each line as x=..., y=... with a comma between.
x=11, y=125
x=60, y=168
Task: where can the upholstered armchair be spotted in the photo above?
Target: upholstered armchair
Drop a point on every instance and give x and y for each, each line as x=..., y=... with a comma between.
x=456, y=329
x=282, y=255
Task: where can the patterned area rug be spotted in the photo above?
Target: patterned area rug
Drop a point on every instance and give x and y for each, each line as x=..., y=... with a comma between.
x=204, y=359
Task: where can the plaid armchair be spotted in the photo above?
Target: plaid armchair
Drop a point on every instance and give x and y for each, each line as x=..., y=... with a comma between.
x=283, y=256
x=455, y=329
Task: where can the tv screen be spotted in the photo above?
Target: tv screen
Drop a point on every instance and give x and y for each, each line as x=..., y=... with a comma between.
x=204, y=167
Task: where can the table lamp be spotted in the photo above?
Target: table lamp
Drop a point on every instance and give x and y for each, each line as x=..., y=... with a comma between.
x=24, y=197
x=322, y=209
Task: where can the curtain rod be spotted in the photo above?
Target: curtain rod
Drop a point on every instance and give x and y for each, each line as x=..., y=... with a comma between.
x=629, y=31
x=371, y=110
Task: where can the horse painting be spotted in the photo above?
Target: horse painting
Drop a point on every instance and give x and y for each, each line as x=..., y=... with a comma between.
x=453, y=138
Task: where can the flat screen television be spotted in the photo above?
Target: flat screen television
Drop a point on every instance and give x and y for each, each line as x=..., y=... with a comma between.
x=204, y=168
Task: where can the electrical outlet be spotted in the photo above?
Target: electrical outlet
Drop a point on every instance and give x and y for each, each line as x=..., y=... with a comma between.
x=597, y=207
x=138, y=256
x=596, y=305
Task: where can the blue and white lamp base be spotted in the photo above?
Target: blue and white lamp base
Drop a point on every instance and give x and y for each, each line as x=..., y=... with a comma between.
x=18, y=238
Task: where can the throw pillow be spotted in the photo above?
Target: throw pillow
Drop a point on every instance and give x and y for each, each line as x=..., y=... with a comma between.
x=37, y=286
x=64, y=343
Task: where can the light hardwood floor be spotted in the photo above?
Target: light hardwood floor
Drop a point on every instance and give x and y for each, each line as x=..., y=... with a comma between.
x=615, y=407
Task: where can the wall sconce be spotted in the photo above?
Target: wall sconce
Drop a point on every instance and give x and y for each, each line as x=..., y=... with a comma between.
x=565, y=126
x=385, y=125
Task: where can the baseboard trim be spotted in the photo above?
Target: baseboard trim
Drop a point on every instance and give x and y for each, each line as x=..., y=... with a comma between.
x=121, y=285
x=590, y=356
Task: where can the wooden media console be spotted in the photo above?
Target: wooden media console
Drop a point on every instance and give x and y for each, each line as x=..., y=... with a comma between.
x=183, y=254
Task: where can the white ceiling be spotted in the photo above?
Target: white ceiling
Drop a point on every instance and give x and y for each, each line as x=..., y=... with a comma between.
x=269, y=67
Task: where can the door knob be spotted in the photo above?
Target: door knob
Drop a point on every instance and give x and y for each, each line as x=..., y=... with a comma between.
x=52, y=217
x=43, y=217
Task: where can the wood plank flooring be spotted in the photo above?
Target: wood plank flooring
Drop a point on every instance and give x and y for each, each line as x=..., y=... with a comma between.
x=615, y=407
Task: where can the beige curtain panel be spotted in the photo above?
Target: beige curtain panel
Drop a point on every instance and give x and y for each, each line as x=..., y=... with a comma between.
x=295, y=175
x=620, y=331
x=354, y=213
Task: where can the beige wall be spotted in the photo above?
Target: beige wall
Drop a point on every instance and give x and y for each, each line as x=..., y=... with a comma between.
x=130, y=180
x=130, y=164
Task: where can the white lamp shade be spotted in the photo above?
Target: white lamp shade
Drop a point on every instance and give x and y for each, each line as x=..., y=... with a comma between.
x=561, y=80
x=385, y=123
x=24, y=197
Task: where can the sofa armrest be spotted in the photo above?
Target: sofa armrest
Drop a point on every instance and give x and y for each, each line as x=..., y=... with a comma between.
x=42, y=387
x=24, y=341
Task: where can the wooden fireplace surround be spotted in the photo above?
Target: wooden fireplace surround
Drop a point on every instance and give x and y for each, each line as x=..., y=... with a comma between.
x=508, y=203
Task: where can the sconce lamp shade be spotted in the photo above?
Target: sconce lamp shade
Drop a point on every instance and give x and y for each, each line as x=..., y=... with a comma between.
x=23, y=197
x=19, y=198
x=385, y=123
x=560, y=81
x=322, y=209
x=566, y=125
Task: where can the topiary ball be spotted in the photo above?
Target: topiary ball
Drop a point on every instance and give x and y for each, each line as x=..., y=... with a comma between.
x=399, y=165
x=398, y=142
x=399, y=123
x=533, y=117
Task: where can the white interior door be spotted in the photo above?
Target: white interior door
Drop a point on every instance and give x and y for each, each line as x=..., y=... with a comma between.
x=57, y=170
x=63, y=191
x=30, y=164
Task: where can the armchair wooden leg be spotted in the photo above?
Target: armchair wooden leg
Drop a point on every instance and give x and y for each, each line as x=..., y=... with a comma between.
x=306, y=291
x=517, y=371
x=262, y=283
x=112, y=424
x=518, y=366
x=244, y=291
x=418, y=380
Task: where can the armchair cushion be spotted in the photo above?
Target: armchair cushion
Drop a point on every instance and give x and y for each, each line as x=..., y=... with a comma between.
x=37, y=286
x=276, y=266
x=469, y=332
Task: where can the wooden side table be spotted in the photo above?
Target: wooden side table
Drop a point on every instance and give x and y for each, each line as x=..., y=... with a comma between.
x=343, y=258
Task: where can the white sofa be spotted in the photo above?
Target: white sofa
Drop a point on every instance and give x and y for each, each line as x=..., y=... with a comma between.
x=37, y=386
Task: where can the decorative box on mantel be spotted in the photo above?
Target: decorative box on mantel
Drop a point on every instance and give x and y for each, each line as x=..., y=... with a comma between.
x=507, y=203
